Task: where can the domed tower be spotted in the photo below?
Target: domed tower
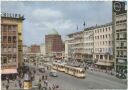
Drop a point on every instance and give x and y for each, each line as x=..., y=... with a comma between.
x=53, y=43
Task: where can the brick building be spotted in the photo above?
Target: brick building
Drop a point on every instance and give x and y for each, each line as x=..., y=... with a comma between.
x=53, y=44
x=35, y=49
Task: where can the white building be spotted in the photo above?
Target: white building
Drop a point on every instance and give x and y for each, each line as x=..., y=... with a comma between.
x=42, y=49
x=26, y=49
x=103, y=45
x=88, y=43
x=76, y=45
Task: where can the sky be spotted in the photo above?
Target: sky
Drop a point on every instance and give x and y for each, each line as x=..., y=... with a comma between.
x=42, y=16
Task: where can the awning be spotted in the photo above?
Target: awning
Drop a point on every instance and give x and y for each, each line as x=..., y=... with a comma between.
x=104, y=64
x=8, y=71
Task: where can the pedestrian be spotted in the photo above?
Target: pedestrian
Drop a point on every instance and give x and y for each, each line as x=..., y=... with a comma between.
x=42, y=77
x=49, y=88
x=7, y=86
x=39, y=84
x=8, y=80
x=20, y=84
x=3, y=84
x=46, y=77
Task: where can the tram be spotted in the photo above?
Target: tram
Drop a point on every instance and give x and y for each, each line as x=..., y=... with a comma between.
x=74, y=71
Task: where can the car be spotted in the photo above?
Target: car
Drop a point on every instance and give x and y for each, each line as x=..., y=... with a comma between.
x=53, y=74
x=42, y=70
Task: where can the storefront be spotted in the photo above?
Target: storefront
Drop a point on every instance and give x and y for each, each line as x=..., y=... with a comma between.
x=105, y=65
x=8, y=73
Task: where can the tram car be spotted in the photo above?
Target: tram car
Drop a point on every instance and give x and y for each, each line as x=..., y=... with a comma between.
x=74, y=71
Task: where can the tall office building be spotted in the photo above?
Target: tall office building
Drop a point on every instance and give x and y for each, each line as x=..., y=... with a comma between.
x=119, y=16
x=11, y=43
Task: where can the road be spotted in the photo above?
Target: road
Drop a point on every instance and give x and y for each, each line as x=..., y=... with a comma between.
x=93, y=80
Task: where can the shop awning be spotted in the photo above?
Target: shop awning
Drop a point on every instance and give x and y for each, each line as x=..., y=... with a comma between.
x=8, y=71
x=104, y=64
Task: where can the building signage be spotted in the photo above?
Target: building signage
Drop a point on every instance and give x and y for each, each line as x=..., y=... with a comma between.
x=119, y=7
x=121, y=61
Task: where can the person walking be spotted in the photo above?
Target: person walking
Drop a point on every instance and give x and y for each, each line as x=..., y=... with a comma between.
x=7, y=86
x=8, y=80
x=39, y=84
x=20, y=84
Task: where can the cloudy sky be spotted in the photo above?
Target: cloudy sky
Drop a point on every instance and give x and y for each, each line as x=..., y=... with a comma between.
x=42, y=17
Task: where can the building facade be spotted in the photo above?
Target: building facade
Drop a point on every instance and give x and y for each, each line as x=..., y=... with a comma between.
x=120, y=36
x=76, y=45
x=35, y=49
x=103, y=46
x=42, y=49
x=54, y=45
x=11, y=42
x=88, y=44
x=26, y=49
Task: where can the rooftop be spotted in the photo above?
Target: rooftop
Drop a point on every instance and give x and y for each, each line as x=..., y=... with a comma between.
x=53, y=32
x=12, y=16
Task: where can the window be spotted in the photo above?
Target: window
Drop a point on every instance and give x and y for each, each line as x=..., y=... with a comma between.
x=5, y=28
x=125, y=44
x=109, y=42
x=117, y=36
x=109, y=28
x=105, y=56
x=9, y=39
x=100, y=30
x=98, y=37
x=14, y=39
x=9, y=27
x=106, y=35
x=106, y=29
x=101, y=56
x=4, y=39
x=103, y=29
x=103, y=36
x=103, y=42
x=109, y=35
x=4, y=60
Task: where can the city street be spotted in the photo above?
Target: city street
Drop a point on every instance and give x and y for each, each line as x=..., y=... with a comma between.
x=93, y=80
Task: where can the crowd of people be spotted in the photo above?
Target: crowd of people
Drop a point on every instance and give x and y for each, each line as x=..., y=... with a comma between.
x=44, y=83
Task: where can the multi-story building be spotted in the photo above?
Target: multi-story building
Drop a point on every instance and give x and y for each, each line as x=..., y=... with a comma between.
x=120, y=36
x=26, y=49
x=88, y=44
x=103, y=45
x=42, y=49
x=11, y=42
x=54, y=45
x=76, y=44
x=35, y=49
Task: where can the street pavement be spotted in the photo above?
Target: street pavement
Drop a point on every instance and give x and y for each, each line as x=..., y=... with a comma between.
x=93, y=80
